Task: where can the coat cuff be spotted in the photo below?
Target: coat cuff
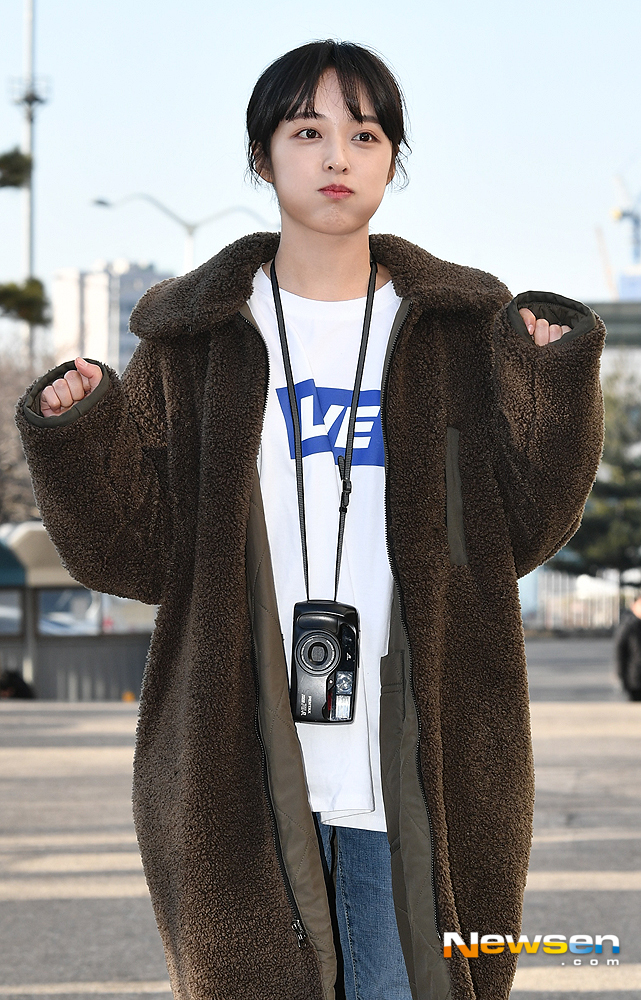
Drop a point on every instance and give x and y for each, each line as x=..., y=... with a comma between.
x=31, y=405
x=556, y=309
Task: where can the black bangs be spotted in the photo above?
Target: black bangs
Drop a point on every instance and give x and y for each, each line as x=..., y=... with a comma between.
x=353, y=79
x=288, y=88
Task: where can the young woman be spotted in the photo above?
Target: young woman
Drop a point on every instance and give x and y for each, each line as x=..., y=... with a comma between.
x=308, y=829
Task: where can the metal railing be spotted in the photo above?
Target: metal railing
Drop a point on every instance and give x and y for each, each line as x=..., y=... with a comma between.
x=574, y=603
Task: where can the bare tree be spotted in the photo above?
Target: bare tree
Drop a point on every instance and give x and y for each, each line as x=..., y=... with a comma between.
x=16, y=496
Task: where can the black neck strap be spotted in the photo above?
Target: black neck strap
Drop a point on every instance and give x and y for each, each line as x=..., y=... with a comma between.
x=344, y=463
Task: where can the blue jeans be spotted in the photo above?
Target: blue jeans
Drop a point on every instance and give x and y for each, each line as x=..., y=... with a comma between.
x=359, y=884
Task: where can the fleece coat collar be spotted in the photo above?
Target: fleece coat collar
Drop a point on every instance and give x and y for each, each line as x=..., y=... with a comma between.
x=215, y=291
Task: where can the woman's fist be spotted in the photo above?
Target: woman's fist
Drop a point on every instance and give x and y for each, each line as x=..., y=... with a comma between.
x=540, y=330
x=60, y=396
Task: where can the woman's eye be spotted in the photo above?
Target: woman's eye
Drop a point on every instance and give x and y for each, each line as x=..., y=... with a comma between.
x=309, y=133
x=364, y=136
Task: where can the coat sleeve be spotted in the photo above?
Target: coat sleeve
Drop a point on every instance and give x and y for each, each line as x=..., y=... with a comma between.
x=547, y=424
x=99, y=475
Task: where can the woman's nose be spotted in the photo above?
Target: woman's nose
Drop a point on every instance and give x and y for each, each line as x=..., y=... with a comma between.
x=337, y=162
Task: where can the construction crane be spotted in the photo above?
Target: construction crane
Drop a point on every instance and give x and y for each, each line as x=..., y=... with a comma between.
x=632, y=213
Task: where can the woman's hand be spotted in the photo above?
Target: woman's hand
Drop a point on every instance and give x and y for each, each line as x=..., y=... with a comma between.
x=60, y=396
x=540, y=330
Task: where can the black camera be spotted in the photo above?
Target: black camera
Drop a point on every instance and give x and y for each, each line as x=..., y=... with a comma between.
x=324, y=662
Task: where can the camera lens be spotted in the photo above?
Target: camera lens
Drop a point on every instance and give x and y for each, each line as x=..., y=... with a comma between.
x=317, y=652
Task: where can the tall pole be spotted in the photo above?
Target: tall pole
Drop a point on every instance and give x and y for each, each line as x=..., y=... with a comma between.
x=29, y=98
x=27, y=137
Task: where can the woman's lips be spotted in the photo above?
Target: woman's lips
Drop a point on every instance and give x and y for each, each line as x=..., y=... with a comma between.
x=336, y=191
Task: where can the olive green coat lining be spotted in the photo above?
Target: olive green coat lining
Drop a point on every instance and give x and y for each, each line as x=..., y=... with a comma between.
x=455, y=527
x=556, y=309
x=295, y=823
x=31, y=406
x=409, y=830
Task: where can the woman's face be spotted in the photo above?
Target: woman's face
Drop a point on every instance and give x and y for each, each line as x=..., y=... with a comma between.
x=330, y=172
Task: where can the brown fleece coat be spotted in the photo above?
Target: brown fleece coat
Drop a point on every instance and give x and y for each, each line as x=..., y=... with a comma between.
x=146, y=490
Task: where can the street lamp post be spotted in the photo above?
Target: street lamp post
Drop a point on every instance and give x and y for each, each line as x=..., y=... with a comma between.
x=190, y=228
x=29, y=98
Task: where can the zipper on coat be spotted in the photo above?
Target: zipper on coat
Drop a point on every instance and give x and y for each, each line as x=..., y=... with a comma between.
x=297, y=924
x=253, y=327
x=397, y=584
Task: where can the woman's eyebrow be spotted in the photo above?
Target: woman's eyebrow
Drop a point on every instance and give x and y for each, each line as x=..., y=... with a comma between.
x=313, y=116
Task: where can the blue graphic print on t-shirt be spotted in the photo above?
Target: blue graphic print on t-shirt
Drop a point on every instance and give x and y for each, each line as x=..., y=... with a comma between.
x=324, y=419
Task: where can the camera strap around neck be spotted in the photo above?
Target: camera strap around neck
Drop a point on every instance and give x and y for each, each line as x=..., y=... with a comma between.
x=344, y=462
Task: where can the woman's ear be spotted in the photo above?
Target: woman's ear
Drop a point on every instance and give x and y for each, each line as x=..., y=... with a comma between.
x=261, y=162
x=392, y=170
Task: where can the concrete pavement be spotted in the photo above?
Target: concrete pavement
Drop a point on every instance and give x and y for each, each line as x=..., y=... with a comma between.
x=75, y=917
x=74, y=904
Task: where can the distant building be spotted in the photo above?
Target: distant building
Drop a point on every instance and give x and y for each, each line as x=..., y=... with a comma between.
x=73, y=644
x=630, y=284
x=623, y=322
x=91, y=310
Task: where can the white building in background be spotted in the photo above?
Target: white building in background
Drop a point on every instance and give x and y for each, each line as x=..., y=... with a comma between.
x=630, y=284
x=91, y=310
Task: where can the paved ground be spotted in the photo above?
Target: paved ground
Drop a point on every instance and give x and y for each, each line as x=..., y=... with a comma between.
x=75, y=918
x=74, y=904
x=585, y=870
x=572, y=670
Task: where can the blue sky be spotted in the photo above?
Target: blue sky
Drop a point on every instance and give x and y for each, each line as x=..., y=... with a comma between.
x=521, y=115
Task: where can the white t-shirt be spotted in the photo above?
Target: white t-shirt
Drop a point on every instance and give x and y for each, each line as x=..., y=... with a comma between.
x=342, y=762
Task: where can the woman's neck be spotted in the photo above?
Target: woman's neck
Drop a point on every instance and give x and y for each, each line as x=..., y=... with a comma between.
x=326, y=267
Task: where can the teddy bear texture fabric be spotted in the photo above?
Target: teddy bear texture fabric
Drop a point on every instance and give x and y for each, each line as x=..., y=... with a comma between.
x=149, y=491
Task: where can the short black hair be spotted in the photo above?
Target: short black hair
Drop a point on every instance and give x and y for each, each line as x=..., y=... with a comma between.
x=288, y=88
